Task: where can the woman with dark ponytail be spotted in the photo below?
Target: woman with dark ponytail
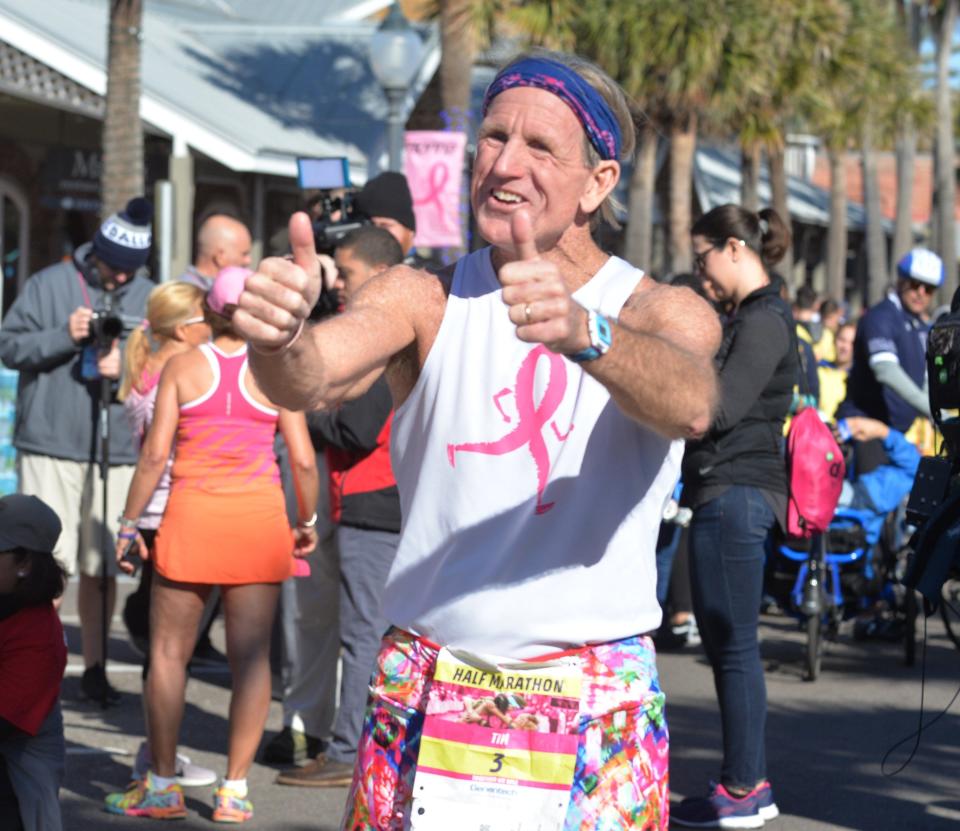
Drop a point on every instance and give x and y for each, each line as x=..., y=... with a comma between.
x=735, y=481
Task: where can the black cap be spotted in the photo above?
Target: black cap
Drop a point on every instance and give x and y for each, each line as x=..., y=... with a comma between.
x=388, y=195
x=28, y=522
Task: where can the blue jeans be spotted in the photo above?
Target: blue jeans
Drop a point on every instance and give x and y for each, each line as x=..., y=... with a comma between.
x=667, y=543
x=726, y=570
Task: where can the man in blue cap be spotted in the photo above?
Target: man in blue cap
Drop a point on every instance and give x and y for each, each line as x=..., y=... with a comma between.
x=50, y=336
x=888, y=378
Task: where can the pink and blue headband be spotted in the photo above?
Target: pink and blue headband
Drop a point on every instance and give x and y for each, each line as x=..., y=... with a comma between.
x=601, y=125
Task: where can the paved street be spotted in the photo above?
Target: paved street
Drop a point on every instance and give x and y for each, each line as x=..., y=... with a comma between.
x=825, y=739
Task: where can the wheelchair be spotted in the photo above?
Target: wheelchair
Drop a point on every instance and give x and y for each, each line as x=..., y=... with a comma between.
x=829, y=578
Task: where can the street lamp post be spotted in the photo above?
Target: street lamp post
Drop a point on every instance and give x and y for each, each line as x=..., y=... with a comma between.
x=395, y=52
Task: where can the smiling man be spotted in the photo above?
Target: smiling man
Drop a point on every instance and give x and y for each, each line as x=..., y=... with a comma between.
x=542, y=388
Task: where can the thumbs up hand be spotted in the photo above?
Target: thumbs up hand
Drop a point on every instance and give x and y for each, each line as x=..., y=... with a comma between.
x=539, y=303
x=279, y=296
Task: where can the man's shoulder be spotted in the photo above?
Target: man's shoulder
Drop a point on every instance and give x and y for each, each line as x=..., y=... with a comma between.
x=413, y=285
x=58, y=271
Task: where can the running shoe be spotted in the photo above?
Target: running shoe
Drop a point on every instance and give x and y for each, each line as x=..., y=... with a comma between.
x=188, y=774
x=719, y=809
x=141, y=799
x=228, y=807
x=767, y=808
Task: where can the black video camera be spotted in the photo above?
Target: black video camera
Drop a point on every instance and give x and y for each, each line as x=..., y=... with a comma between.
x=331, y=177
x=105, y=326
x=934, y=505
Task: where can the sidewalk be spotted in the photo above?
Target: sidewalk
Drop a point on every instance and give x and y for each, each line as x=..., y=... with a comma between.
x=101, y=744
x=825, y=739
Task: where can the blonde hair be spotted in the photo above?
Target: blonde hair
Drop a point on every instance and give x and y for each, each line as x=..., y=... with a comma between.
x=168, y=306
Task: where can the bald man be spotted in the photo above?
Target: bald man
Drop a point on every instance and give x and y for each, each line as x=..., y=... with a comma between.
x=221, y=241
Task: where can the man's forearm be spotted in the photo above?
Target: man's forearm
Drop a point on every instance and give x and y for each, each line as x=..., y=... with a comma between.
x=892, y=375
x=657, y=383
x=293, y=377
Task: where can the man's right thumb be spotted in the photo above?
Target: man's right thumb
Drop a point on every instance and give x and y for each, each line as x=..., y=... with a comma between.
x=302, y=244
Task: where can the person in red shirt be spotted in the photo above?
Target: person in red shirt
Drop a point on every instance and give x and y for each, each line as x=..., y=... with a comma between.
x=33, y=655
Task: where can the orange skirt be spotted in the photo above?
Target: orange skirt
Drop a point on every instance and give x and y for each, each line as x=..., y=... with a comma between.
x=225, y=539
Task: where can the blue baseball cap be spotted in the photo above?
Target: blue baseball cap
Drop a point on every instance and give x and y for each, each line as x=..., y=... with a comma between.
x=921, y=265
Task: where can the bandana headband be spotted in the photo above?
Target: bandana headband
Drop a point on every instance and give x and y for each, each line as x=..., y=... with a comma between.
x=588, y=105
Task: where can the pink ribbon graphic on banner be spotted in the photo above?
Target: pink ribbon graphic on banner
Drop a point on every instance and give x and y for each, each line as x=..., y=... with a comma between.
x=531, y=419
x=435, y=181
x=433, y=165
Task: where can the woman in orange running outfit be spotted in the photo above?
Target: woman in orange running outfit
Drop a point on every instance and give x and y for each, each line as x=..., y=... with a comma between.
x=225, y=524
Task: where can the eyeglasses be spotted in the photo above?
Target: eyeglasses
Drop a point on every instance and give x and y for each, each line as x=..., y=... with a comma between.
x=700, y=258
x=191, y=320
x=914, y=285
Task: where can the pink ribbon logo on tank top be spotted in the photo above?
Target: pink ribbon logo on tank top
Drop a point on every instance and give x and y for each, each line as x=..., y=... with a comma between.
x=531, y=419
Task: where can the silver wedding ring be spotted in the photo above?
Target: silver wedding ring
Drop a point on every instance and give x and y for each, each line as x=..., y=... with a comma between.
x=526, y=312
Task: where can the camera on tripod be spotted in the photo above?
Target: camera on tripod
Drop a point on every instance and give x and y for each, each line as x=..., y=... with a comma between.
x=105, y=327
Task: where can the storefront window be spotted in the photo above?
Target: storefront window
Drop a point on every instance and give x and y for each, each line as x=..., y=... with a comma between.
x=13, y=242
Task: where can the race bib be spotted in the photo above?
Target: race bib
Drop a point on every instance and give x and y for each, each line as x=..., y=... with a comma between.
x=499, y=745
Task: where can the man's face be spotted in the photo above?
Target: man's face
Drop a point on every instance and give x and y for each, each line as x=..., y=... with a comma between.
x=110, y=277
x=915, y=296
x=401, y=233
x=530, y=154
x=352, y=273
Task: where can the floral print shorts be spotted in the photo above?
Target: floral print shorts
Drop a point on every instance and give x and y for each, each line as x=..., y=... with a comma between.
x=621, y=779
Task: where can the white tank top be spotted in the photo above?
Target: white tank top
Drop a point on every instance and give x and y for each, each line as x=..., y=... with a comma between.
x=531, y=504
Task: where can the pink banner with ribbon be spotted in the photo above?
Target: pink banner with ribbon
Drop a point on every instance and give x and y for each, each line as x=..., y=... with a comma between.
x=433, y=164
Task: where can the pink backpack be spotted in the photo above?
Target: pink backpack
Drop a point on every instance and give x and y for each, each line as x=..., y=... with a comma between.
x=815, y=472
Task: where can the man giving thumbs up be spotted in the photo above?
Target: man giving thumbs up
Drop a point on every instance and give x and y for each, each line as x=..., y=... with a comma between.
x=541, y=389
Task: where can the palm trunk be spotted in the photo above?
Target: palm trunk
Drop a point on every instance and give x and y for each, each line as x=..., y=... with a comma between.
x=945, y=187
x=122, y=130
x=837, y=231
x=906, y=151
x=458, y=48
x=877, y=270
x=683, y=145
x=778, y=187
x=750, y=177
x=638, y=245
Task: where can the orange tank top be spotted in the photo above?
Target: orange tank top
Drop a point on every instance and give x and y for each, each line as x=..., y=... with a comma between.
x=225, y=437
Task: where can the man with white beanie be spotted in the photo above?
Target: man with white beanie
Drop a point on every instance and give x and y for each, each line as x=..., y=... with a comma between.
x=55, y=337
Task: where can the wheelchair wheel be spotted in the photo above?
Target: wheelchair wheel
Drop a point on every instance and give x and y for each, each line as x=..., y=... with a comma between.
x=814, y=652
x=950, y=609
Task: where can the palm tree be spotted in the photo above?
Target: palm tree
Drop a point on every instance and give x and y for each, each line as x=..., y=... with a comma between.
x=945, y=22
x=842, y=104
x=778, y=56
x=122, y=176
x=909, y=20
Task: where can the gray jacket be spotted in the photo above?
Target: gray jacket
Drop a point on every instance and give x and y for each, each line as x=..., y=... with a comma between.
x=56, y=407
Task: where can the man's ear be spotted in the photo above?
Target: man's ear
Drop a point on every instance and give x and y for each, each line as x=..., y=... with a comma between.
x=603, y=179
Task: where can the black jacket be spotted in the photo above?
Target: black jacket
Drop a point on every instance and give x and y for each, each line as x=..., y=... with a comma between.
x=356, y=438
x=757, y=363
